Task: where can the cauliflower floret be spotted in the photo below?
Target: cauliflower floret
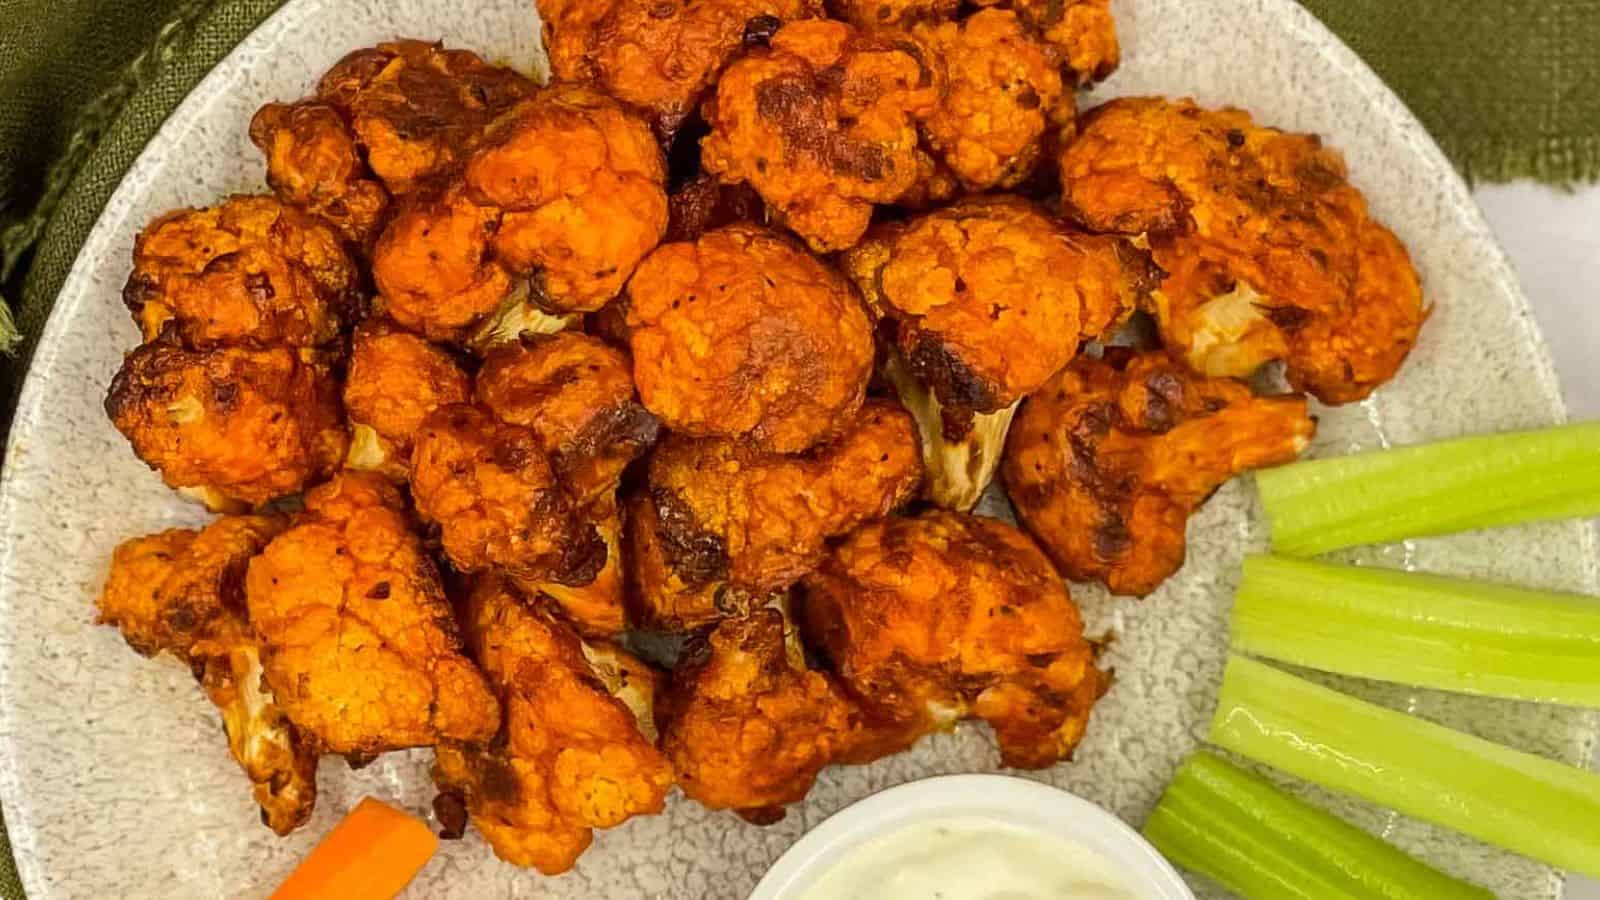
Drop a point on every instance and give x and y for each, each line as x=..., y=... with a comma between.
x=171, y=591
x=1108, y=461
x=362, y=649
x=385, y=120
x=181, y=592
x=490, y=490
x=824, y=125
x=1269, y=252
x=982, y=302
x=1005, y=99
x=659, y=56
x=743, y=334
x=248, y=272
x=1081, y=34
x=936, y=618
x=434, y=266
x=1083, y=31
x=314, y=163
x=722, y=527
x=395, y=381
x=418, y=109
x=583, y=188
x=746, y=725
x=575, y=393
x=577, y=750
x=238, y=427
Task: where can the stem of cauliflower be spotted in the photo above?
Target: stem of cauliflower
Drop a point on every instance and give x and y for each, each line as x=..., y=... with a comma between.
x=518, y=315
x=958, y=471
x=620, y=674
x=1230, y=336
x=214, y=500
x=366, y=448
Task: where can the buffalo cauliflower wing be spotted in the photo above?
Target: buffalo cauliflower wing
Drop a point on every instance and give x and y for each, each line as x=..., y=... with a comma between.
x=491, y=491
x=945, y=616
x=743, y=334
x=174, y=591
x=583, y=188
x=562, y=198
x=247, y=272
x=722, y=527
x=1005, y=98
x=181, y=592
x=314, y=163
x=824, y=124
x=418, y=109
x=395, y=380
x=1108, y=461
x=362, y=649
x=660, y=56
x=1083, y=32
x=982, y=302
x=232, y=426
x=1270, y=253
x=890, y=13
x=435, y=267
x=577, y=749
x=575, y=393
x=384, y=120
x=746, y=725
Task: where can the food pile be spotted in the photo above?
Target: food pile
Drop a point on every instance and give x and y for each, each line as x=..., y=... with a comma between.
x=720, y=335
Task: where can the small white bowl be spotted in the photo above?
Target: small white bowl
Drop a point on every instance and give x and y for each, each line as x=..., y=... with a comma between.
x=1015, y=801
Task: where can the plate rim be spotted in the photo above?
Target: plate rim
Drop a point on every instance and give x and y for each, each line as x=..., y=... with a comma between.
x=1297, y=22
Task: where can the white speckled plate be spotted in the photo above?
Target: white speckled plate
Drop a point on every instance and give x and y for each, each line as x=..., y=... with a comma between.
x=113, y=772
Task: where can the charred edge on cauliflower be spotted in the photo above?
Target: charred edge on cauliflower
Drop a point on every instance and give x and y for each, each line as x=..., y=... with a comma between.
x=629, y=425
x=582, y=558
x=698, y=556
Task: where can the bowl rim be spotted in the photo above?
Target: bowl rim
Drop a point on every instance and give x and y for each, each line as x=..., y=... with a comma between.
x=1010, y=799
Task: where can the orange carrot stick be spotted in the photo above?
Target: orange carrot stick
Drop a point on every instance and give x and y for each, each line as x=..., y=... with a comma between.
x=371, y=855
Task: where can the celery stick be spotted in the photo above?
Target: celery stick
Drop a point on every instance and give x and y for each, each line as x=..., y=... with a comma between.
x=1238, y=830
x=1515, y=800
x=1476, y=482
x=1444, y=633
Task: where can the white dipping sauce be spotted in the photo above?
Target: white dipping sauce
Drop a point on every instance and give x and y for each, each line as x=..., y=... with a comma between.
x=970, y=858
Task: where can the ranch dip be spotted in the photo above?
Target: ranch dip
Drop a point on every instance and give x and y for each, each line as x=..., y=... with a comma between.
x=970, y=858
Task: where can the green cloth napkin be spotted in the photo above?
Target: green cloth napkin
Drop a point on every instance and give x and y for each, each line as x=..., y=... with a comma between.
x=1510, y=88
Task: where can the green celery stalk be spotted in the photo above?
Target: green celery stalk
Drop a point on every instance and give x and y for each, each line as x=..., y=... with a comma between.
x=1235, y=828
x=1485, y=481
x=1444, y=633
x=1524, y=803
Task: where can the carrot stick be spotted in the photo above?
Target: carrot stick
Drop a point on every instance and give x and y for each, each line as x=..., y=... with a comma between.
x=371, y=855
